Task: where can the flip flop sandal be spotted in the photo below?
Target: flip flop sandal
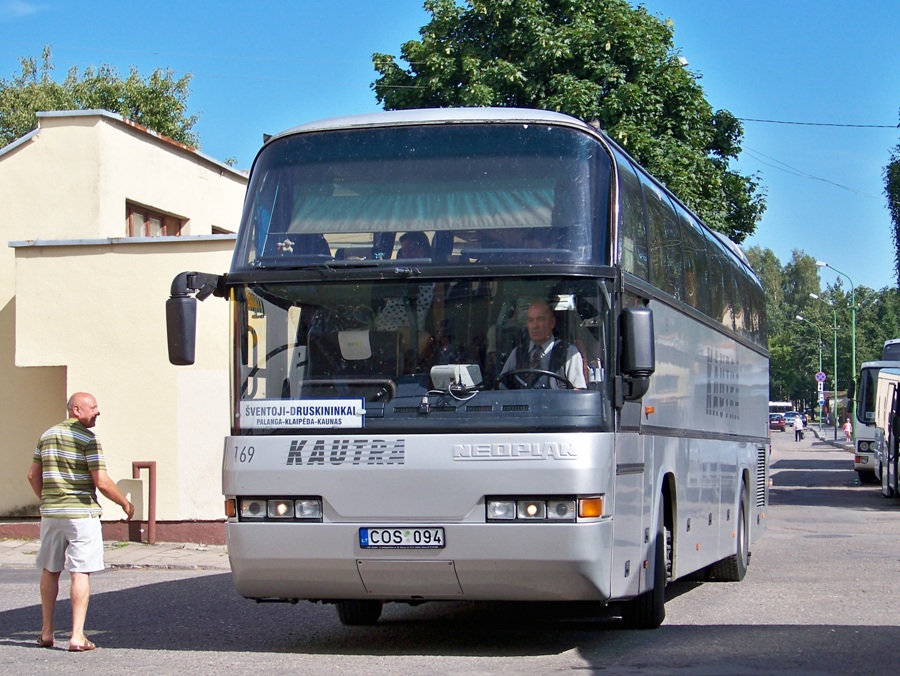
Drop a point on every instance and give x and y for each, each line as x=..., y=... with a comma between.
x=84, y=647
x=44, y=644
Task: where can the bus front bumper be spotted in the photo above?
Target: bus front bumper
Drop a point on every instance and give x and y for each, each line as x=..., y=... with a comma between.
x=491, y=561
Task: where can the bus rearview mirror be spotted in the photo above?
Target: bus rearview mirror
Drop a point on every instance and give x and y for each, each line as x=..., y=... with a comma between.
x=181, y=329
x=638, y=359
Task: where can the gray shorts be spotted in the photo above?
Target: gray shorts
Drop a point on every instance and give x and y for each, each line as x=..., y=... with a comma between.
x=78, y=540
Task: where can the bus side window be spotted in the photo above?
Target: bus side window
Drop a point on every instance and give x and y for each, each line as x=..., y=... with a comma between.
x=696, y=287
x=666, y=261
x=892, y=420
x=720, y=285
x=632, y=240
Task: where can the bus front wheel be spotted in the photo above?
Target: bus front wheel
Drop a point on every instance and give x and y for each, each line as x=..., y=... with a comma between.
x=734, y=568
x=648, y=610
x=357, y=612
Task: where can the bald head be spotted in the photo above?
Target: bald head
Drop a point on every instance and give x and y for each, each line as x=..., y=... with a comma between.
x=83, y=407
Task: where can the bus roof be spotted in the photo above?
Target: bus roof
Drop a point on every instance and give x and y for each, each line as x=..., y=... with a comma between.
x=437, y=115
x=881, y=364
x=392, y=118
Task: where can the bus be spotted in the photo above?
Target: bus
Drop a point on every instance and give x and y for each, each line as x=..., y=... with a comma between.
x=891, y=350
x=865, y=461
x=393, y=439
x=781, y=407
x=887, y=429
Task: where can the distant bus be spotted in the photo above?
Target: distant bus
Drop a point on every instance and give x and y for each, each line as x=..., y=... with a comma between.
x=887, y=430
x=891, y=350
x=781, y=407
x=397, y=434
x=865, y=461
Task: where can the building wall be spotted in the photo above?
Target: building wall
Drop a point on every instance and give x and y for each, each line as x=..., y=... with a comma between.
x=82, y=309
x=104, y=318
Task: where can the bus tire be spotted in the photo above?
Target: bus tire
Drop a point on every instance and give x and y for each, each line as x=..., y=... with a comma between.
x=865, y=477
x=734, y=568
x=648, y=610
x=358, y=612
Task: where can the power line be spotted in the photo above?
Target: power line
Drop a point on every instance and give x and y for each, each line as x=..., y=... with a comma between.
x=788, y=169
x=822, y=124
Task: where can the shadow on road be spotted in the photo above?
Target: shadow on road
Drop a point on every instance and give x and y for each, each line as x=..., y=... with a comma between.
x=858, y=498
x=842, y=465
x=205, y=614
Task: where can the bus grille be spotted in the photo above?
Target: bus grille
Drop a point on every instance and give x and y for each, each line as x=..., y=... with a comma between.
x=762, y=477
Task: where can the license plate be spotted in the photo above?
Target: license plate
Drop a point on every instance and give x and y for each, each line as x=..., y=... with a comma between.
x=392, y=537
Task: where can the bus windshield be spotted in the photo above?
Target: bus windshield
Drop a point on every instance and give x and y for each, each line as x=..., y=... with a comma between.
x=483, y=194
x=426, y=354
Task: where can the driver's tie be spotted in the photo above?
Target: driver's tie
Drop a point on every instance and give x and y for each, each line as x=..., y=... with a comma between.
x=534, y=364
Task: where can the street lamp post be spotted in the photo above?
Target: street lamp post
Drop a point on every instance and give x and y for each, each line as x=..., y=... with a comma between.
x=833, y=377
x=823, y=264
x=816, y=327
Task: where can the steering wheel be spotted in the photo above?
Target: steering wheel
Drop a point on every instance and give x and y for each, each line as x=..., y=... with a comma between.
x=539, y=372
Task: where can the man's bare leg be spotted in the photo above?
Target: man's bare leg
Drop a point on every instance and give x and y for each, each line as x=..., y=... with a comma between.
x=80, y=594
x=49, y=592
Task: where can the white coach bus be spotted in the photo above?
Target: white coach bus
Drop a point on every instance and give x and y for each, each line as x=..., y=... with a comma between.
x=394, y=440
x=887, y=429
x=866, y=461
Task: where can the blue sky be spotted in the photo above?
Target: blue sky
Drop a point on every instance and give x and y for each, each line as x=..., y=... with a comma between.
x=265, y=66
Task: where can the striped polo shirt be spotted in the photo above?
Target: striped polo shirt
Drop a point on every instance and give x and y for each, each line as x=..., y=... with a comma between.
x=68, y=453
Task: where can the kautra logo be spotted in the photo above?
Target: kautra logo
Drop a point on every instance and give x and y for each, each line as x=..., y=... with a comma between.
x=346, y=452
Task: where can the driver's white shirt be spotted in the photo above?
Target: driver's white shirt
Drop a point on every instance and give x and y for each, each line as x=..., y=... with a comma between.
x=573, y=369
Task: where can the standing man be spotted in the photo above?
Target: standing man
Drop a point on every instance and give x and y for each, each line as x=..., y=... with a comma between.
x=66, y=471
x=545, y=352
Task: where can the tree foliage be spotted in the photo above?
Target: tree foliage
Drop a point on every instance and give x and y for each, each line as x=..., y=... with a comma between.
x=892, y=192
x=158, y=102
x=603, y=60
x=794, y=347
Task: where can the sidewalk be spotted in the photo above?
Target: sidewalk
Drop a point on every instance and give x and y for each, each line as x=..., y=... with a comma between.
x=827, y=436
x=169, y=555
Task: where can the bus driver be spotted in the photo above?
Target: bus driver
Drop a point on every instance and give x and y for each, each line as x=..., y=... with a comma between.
x=545, y=352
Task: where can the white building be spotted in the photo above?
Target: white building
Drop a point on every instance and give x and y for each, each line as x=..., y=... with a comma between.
x=100, y=214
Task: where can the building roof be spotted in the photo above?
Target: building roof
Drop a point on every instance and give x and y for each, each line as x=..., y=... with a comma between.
x=115, y=118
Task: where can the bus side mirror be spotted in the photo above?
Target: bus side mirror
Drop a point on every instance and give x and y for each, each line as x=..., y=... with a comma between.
x=851, y=390
x=181, y=312
x=638, y=359
x=181, y=329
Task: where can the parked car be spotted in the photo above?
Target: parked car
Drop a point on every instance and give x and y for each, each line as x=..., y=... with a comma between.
x=776, y=422
x=789, y=418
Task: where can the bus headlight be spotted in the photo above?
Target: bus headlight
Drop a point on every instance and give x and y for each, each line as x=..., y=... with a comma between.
x=308, y=509
x=864, y=446
x=531, y=509
x=501, y=510
x=253, y=508
x=557, y=509
x=280, y=509
x=560, y=509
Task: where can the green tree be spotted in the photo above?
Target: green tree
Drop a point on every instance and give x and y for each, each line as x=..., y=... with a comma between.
x=892, y=192
x=794, y=344
x=603, y=60
x=158, y=102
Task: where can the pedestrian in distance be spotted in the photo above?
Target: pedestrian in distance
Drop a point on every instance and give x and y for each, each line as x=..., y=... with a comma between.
x=798, y=427
x=848, y=430
x=67, y=470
